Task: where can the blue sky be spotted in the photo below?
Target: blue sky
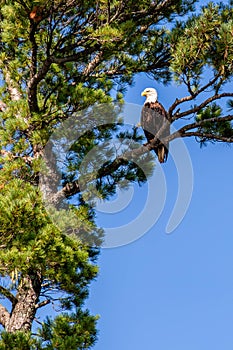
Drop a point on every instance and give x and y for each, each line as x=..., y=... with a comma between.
x=172, y=291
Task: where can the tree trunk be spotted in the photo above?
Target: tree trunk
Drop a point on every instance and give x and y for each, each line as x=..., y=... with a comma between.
x=23, y=312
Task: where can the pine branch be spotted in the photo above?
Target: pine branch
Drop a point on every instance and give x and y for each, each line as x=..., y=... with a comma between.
x=202, y=105
x=118, y=12
x=182, y=132
x=73, y=188
x=191, y=97
x=8, y=295
x=203, y=123
x=34, y=81
x=33, y=101
x=39, y=76
x=153, y=10
x=209, y=136
x=68, y=190
x=93, y=64
x=69, y=58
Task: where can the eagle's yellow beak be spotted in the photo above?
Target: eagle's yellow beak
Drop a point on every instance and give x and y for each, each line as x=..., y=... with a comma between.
x=143, y=93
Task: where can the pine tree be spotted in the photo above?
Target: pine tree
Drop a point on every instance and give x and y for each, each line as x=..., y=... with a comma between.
x=58, y=59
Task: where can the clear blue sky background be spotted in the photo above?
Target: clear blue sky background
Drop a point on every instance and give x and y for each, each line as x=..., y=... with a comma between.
x=173, y=291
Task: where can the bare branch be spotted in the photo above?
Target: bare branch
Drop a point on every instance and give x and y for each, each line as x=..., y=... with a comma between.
x=42, y=303
x=209, y=136
x=93, y=64
x=66, y=59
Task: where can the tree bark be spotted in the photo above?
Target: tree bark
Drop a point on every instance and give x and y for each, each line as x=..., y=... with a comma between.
x=23, y=312
x=4, y=316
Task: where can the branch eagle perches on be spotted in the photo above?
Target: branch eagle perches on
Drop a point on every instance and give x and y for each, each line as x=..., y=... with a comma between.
x=194, y=129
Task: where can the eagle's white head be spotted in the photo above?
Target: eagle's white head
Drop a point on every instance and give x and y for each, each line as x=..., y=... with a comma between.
x=151, y=95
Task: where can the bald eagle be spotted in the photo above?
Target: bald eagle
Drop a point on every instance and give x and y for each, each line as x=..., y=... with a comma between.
x=154, y=119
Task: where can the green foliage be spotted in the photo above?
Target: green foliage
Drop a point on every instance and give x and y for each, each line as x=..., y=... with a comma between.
x=34, y=242
x=201, y=58
x=18, y=341
x=76, y=330
x=69, y=331
x=20, y=204
x=214, y=127
x=203, y=41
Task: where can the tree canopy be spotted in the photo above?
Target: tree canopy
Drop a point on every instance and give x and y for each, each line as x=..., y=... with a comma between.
x=61, y=58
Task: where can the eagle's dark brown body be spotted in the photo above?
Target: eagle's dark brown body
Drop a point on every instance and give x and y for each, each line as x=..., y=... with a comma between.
x=154, y=122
